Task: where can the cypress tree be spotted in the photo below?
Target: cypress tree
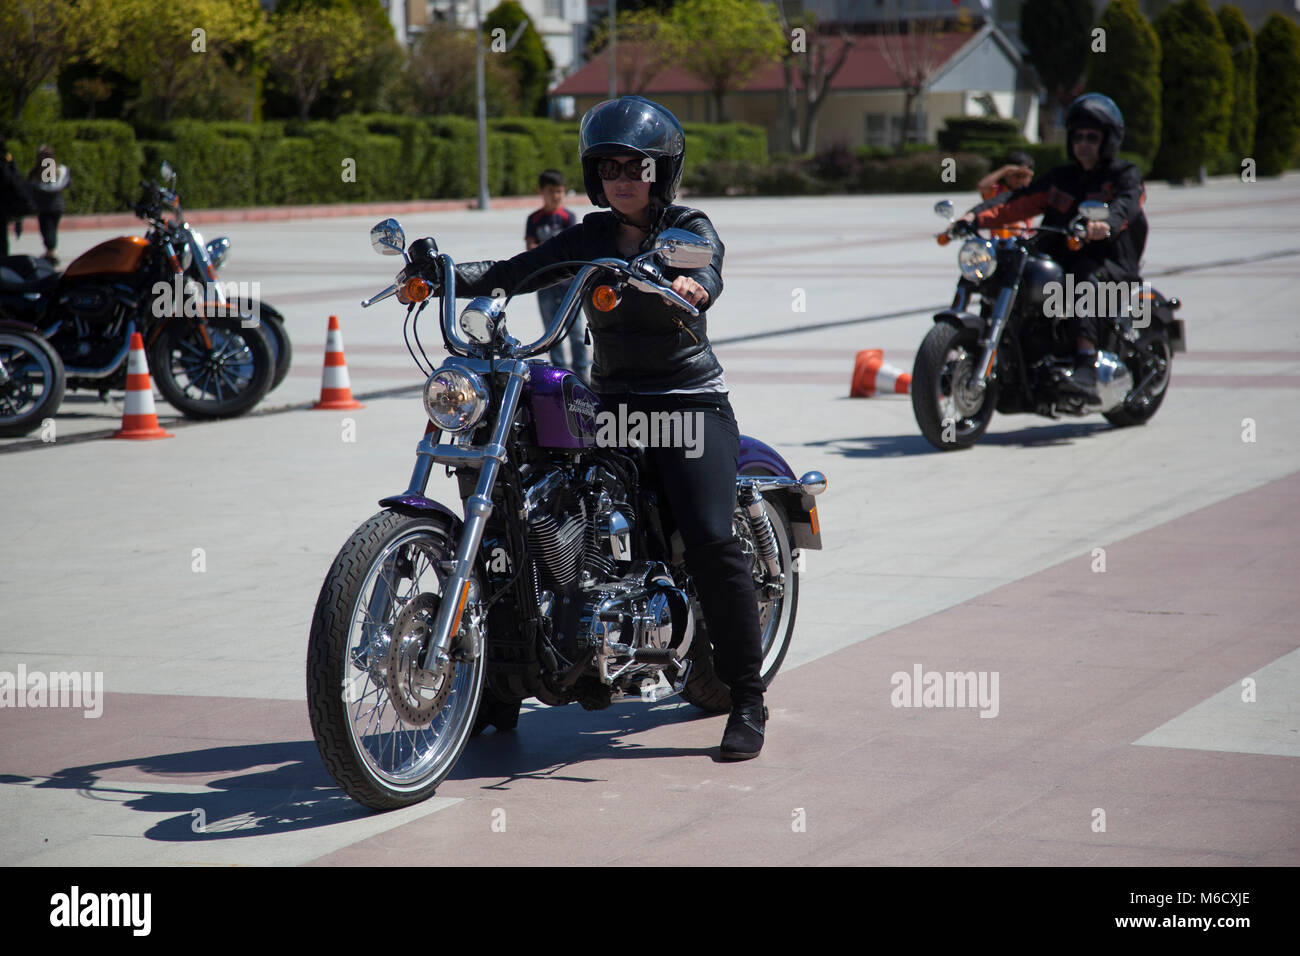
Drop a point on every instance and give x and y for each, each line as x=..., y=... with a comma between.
x=1128, y=71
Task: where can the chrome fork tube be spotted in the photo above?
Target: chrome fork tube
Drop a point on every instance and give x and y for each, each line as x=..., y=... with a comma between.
x=477, y=510
x=1001, y=309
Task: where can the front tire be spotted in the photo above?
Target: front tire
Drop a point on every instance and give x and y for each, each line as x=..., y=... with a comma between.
x=776, y=615
x=388, y=732
x=223, y=375
x=36, y=382
x=951, y=412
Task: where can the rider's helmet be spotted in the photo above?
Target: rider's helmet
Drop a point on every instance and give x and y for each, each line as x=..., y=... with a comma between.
x=1095, y=111
x=632, y=124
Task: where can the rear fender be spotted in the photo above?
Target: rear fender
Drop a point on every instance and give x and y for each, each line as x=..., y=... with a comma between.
x=759, y=458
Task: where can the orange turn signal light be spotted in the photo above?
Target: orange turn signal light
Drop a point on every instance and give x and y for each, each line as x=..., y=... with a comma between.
x=415, y=289
x=1074, y=243
x=943, y=238
x=604, y=298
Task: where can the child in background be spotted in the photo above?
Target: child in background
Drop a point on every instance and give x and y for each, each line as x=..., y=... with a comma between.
x=1017, y=171
x=546, y=222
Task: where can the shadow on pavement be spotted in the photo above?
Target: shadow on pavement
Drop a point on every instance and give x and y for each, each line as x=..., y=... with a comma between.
x=262, y=789
x=897, y=446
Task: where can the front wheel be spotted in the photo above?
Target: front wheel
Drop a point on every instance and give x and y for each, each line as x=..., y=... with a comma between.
x=951, y=409
x=777, y=604
x=1153, y=360
x=388, y=731
x=212, y=368
x=32, y=381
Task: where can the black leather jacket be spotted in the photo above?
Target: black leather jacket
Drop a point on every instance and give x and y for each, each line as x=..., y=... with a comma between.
x=1056, y=196
x=642, y=344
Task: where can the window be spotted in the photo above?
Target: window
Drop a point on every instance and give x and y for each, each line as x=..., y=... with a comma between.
x=882, y=130
x=553, y=8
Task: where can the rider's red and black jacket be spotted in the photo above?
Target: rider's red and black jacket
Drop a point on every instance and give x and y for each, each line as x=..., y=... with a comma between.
x=1056, y=196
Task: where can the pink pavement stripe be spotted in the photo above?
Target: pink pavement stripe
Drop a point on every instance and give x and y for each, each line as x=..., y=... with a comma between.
x=1088, y=662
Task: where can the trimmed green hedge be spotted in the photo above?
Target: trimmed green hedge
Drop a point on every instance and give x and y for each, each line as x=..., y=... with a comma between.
x=279, y=163
x=102, y=156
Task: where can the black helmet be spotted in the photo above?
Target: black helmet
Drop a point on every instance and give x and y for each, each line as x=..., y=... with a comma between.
x=1095, y=111
x=632, y=124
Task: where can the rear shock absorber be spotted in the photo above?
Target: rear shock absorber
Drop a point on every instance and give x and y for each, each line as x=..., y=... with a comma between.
x=760, y=525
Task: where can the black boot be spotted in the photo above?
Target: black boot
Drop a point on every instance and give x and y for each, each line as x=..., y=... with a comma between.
x=1083, y=380
x=743, y=737
x=725, y=585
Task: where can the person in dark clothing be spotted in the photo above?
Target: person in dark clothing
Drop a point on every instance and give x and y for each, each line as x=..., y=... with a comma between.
x=48, y=179
x=541, y=225
x=651, y=356
x=1113, y=250
x=15, y=201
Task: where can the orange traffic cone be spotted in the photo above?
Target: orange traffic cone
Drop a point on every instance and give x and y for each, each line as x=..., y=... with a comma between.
x=139, y=418
x=335, y=387
x=871, y=375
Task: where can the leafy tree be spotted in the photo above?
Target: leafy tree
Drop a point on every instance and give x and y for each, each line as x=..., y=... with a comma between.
x=1277, y=93
x=528, y=58
x=648, y=44
x=439, y=77
x=1129, y=73
x=171, y=48
x=724, y=42
x=1241, y=46
x=1196, y=81
x=308, y=47
x=39, y=37
x=1058, y=36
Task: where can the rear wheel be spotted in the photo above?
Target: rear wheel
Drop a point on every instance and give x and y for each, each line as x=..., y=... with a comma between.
x=1154, y=359
x=777, y=604
x=32, y=382
x=951, y=409
x=213, y=367
x=272, y=323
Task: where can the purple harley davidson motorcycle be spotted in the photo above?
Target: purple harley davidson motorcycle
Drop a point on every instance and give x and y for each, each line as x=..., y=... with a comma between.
x=559, y=575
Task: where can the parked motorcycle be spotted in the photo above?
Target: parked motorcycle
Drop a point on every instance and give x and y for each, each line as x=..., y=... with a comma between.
x=561, y=575
x=32, y=380
x=208, y=358
x=202, y=265
x=1011, y=353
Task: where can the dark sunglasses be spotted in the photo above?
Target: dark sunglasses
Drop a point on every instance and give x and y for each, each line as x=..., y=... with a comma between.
x=1085, y=136
x=610, y=169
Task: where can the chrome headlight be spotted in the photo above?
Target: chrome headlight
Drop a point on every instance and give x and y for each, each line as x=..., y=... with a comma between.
x=977, y=259
x=455, y=400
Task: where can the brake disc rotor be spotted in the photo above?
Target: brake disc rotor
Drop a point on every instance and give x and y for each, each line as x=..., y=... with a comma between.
x=965, y=397
x=417, y=695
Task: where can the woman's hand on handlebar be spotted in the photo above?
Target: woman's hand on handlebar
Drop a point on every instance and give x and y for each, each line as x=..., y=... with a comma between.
x=1098, y=231
x=690, y=290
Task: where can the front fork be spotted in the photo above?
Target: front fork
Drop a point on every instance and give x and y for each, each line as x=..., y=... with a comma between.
x=478, y=508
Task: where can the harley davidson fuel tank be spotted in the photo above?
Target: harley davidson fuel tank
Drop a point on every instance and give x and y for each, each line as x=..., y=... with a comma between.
x=120, y=256
x=564, y=410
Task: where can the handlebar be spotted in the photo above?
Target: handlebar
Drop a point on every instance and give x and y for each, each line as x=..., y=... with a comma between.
x=638, y=273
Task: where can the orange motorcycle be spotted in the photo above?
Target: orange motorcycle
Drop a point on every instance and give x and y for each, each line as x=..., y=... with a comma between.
x=208, y=358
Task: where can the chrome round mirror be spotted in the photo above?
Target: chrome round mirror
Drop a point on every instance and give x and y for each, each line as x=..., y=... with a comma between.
x=167, y=171
x=387, y=238
x=943, y=209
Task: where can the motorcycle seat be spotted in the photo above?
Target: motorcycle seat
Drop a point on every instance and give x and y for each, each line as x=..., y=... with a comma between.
x=20, y=275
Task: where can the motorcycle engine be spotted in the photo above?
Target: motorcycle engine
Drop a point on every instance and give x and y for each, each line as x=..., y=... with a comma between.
x=92, y=318
x=627, y=615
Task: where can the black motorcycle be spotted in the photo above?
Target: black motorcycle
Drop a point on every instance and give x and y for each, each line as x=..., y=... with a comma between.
x=32, y=380
x=1003, y=347
x=558, y=575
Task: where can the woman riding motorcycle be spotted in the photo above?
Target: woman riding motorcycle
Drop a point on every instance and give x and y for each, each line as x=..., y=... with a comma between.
x=652, y=357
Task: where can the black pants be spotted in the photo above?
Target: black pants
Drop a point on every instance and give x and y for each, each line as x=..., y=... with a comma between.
x=1092, y=326
x=698, y=481
x=49, y=223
